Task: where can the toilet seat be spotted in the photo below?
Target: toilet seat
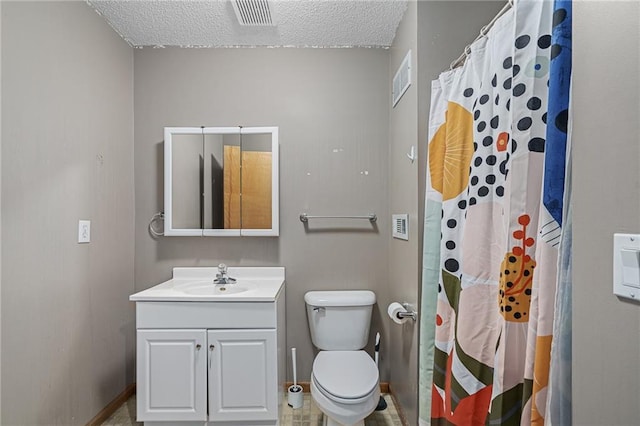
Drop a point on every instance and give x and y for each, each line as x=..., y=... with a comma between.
x=348, y=377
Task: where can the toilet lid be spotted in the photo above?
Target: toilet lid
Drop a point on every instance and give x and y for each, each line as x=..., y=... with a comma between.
x=345, y=374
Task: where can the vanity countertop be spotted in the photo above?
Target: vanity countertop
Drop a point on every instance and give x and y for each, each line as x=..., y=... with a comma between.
x=253, y=284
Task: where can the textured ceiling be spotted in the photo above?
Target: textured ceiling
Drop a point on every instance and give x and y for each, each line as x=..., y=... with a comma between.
x=213, y=23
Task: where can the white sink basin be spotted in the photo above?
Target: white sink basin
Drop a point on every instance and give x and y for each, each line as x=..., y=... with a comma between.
x=207, y=288
x=254, y=284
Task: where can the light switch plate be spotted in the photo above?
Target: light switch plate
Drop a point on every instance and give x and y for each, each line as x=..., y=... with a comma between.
x=84, y=231
x=626, y=265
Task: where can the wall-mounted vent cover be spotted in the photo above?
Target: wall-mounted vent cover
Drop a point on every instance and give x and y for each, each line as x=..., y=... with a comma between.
x=400, y=226
x=402, y=79
x=255, y=13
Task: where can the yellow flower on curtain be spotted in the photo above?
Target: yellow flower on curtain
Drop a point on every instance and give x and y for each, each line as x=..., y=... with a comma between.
x=516, y=277
x=450, y=152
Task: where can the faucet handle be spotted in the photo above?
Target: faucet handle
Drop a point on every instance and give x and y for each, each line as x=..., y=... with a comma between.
x=222, y=268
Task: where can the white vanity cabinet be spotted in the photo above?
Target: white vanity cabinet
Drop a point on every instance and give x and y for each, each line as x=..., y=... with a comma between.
x=242, y=377
x=210, y=360
x=172, y=375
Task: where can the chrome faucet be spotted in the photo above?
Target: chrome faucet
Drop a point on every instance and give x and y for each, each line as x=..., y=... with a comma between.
x=222, y=277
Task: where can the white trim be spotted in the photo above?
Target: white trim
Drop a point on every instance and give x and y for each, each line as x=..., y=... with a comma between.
x=221, y=130
x=221, y=232
x=169, y=230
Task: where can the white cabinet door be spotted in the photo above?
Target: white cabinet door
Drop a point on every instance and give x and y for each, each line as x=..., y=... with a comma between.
x=172, y=375
x=243, y=376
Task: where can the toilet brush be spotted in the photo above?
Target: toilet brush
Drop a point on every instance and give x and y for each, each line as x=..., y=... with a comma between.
x=382, y=404
x=295, y=397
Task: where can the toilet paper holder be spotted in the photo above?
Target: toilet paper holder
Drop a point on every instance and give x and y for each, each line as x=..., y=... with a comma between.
x=409, y=312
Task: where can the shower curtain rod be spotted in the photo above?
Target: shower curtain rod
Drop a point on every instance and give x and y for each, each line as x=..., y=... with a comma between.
x=483, y=33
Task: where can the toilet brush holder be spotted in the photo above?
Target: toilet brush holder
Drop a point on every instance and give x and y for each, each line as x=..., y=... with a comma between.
x=295, y=397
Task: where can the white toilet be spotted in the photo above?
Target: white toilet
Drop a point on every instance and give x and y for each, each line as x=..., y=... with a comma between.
x=344, y=378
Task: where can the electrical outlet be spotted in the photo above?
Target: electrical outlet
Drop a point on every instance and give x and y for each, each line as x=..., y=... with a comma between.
x=84, y=231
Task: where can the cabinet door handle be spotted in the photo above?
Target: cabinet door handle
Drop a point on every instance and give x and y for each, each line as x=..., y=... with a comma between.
x=211, y=348
x=198, y=346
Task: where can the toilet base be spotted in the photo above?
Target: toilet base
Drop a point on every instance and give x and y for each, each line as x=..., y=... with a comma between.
x=350, y=414
x=330, y=422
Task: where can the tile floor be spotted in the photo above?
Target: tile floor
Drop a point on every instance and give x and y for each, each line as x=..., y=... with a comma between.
x=308, y=415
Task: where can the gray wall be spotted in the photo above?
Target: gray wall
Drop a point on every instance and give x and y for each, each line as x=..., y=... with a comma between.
x=332, y=107
x=606, y=189
x=403, y=198
x=67, y=154
x=0, y=211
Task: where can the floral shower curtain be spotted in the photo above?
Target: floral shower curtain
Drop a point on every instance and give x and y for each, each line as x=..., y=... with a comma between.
x=493, y=224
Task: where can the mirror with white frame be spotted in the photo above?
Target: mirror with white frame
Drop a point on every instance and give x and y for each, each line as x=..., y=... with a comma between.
x=221, y=181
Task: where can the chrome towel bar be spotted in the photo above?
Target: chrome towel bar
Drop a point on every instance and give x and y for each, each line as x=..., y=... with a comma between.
x=305, y=217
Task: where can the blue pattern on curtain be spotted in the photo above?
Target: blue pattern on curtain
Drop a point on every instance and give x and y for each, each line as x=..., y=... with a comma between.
x=559, y=149
x=558, y=107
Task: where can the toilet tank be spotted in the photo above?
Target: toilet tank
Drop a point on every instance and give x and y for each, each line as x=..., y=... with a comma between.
x=339, y=320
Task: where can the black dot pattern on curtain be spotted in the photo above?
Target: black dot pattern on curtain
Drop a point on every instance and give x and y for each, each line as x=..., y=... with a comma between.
x=534, y=103
x=516, y=70
x=451, y=265
x=536, y=145
x=522, y=41
x=529, y=108
x=559, y=16
x=544, y=41
x=524, y=123
x=519, y=89
x=561, y=120
x=492, y=130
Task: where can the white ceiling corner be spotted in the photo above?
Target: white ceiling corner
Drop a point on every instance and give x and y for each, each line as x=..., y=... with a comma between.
x=213, y=23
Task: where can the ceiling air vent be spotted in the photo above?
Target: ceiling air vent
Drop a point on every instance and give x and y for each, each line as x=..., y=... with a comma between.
x=255, y=13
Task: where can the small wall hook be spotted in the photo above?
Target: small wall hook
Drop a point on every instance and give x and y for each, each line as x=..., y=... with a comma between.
x=412, y=154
